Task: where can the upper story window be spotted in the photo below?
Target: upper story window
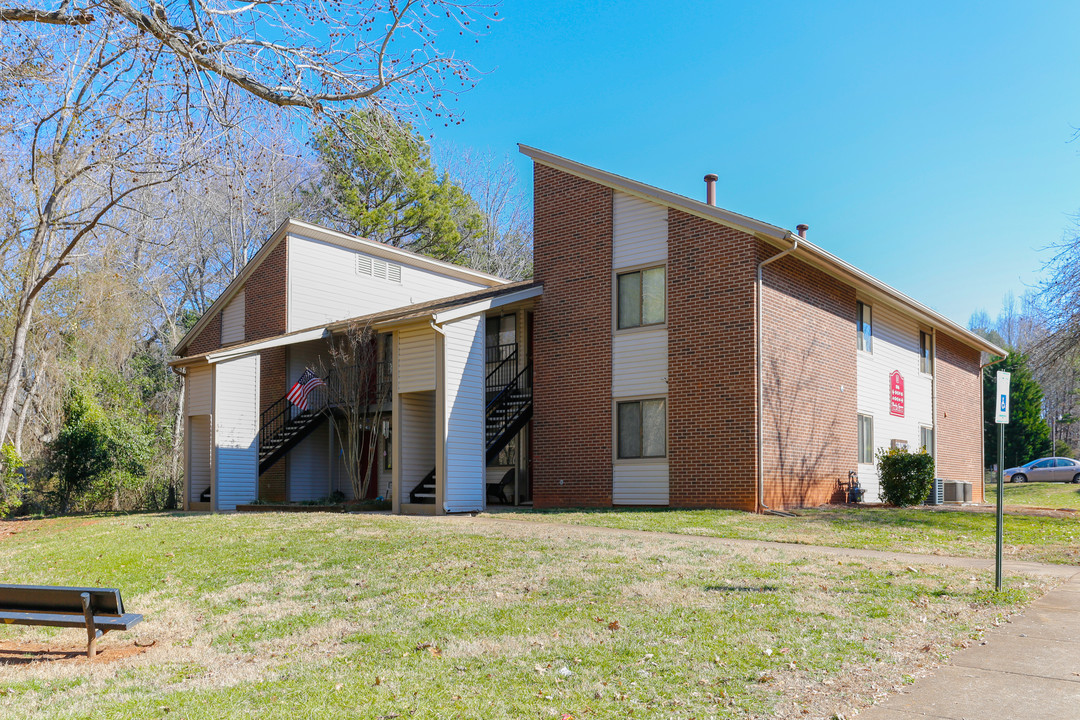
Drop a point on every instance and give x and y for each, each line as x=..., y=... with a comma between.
x=642, y=298
x=864, y=320
x=926, y=353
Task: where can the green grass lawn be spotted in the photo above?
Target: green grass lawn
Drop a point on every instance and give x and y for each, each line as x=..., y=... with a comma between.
x=288, y=615
x=967, y=534
x=1039, y=494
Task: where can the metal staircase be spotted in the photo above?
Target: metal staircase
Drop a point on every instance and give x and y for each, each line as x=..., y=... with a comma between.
x=509, y=409
x=283, y=425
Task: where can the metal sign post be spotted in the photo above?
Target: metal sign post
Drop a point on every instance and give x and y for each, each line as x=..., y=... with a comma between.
x=1001, y=417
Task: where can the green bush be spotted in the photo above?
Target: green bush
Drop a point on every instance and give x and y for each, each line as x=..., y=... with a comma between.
x=12, y=479
x=905, y=478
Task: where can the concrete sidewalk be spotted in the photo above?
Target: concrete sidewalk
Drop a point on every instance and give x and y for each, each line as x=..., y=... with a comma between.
x=1029, y=668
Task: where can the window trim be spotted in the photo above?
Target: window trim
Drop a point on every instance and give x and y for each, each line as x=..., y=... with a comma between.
x=932, y=451
x=860, y=338
x=859, y=440
x=615, y=274
x=643, y=459
x=927, y=336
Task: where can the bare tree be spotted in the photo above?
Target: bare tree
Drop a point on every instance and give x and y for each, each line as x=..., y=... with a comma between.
x=106, y=99
x=357, y=392
x=308, y=54
x=503, y=244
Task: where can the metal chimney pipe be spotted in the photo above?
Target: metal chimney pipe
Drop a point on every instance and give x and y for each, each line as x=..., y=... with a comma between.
x=710, y=188
x=802, y=228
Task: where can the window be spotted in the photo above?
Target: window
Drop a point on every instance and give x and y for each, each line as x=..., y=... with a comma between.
x=1043, y=464
x=926, y=353
x=926, y=439
x=866, y=327
x=642, y=429
x=641, y=298
x=866, y=439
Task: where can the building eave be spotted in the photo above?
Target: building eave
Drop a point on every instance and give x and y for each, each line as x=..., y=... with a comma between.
x=774, y=235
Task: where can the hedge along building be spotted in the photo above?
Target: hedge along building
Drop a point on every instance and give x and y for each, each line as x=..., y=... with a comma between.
x=445, y=334
x=693, y=357
x=668, y=352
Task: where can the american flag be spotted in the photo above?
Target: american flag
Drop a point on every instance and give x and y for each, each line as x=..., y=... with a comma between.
x=298, y=394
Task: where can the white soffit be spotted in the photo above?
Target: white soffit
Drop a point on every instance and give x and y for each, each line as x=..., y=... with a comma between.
x=488, y=304
x=304, y=336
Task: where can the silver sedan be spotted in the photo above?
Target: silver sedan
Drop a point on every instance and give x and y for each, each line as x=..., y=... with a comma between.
x=1055, y=469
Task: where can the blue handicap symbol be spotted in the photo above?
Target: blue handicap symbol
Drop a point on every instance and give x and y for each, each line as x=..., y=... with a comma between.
x=1004, y=399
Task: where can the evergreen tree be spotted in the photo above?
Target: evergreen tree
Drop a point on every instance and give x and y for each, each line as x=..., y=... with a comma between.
x=1027, y=436
x=379, y=182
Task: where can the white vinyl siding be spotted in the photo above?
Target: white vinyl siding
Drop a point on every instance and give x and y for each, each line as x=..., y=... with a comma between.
x=199, y=453
x=640, y=232
x=416, y=360
x=199, y=388
x=640, y=484
x=417, y=438
x=639, y=363
x=895, y=348
x=232, y=320
x=306, y=355
x=639, y=357
x=464, y=415
x=326, y=285
x=236, y=427
x=309, y=466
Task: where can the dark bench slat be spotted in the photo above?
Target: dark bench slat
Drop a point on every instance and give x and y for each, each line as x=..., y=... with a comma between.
x=104, y=624
x=52, y=598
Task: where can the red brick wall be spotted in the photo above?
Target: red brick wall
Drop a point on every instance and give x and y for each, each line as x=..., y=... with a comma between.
x=711, y=396
x=272, y=367
x=572, y=430
x=959, y=413
x=265, y=302
x=207, y=340
x=810, y=433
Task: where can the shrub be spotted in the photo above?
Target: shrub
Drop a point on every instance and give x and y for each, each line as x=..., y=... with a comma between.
x=905, y=478
x=12, y=479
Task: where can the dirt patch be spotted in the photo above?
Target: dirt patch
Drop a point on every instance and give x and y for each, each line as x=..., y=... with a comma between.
x=27, y=653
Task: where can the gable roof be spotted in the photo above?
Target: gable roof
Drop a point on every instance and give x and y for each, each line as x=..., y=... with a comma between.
x=774, y=235
x=510, y=292
x=292, y=226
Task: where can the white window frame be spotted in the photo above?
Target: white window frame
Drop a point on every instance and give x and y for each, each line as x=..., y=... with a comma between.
x=616, y=402
x=862, y=440
x=865, y=343
x=615, y=297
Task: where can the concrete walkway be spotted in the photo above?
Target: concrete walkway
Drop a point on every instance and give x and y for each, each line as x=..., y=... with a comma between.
x=1028, y=668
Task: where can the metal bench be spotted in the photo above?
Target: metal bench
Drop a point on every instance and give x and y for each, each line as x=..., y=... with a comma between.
x=99, y=610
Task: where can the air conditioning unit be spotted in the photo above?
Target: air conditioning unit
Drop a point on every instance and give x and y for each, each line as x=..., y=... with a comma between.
x=952, y=492
x=937, y=492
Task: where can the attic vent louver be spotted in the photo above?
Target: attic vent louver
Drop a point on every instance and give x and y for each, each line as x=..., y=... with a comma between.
x=376, y=268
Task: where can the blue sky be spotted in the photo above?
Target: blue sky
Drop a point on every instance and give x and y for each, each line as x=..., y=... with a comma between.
x=930, y=144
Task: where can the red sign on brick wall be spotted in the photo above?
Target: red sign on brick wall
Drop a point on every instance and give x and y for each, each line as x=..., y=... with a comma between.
x=896, y=394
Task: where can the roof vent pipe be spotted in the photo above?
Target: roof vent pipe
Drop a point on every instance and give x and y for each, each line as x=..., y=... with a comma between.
x=710, y=188
x=802, y=230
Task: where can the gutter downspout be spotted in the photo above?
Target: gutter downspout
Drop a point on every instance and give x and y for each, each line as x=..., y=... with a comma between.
x=762, y=507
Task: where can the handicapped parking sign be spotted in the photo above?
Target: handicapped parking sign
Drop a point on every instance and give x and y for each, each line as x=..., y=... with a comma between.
x=1002, y=415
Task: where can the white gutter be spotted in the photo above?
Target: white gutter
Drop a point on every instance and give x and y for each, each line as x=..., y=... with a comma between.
x=760, y=386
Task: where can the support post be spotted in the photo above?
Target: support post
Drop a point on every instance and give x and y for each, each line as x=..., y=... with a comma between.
x=92, y=633
x=1000, y=505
